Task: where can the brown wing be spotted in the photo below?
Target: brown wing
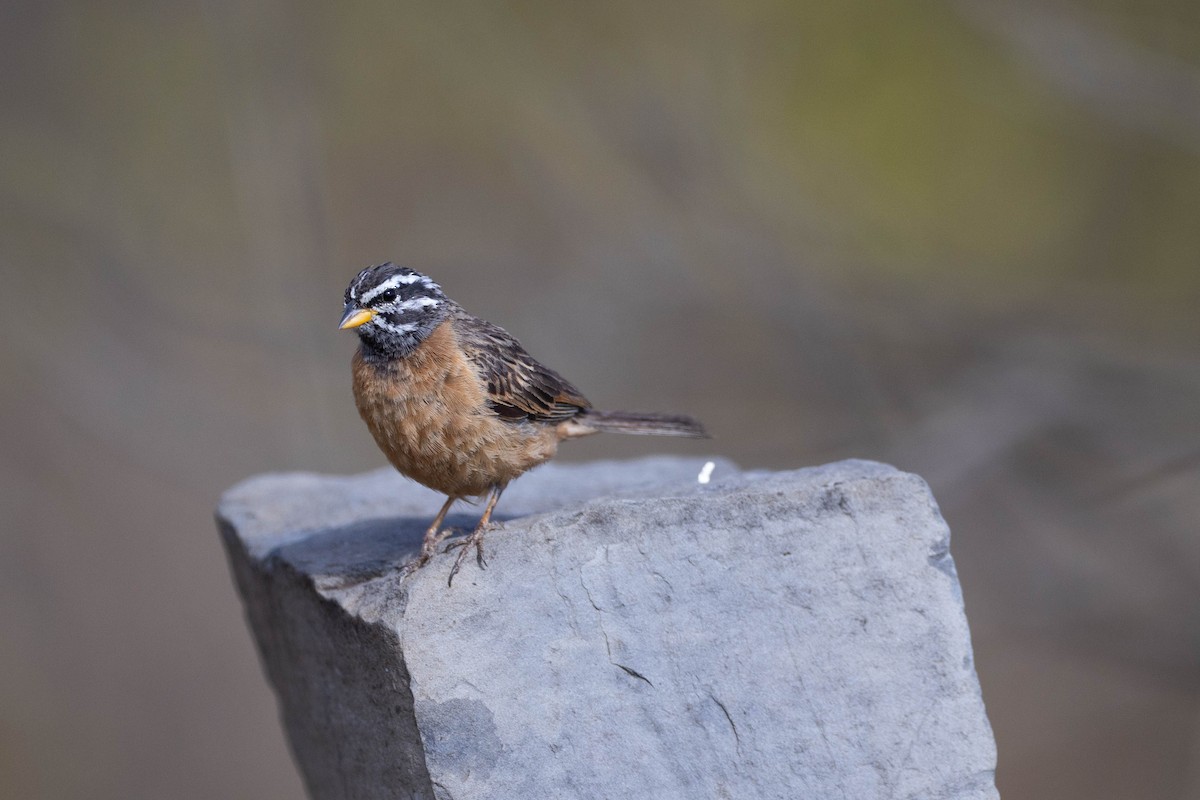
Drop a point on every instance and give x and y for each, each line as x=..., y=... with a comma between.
x=519, y=388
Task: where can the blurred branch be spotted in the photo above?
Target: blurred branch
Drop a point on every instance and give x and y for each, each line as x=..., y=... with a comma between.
x=1133, y=87
x=274, y=139
x=1151, y=479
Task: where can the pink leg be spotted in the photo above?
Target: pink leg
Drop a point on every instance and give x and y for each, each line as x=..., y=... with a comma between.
x=476, y=538
x=433, y=537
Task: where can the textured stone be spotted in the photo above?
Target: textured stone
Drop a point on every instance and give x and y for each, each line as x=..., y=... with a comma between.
x=636, y=634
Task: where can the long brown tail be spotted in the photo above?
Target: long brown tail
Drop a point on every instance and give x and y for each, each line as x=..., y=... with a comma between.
x=645, y=424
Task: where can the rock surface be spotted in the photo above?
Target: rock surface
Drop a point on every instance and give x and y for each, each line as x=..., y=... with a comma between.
x=636, y=634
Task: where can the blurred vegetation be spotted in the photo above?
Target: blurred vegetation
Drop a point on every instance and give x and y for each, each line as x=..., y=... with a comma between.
x=960, y=236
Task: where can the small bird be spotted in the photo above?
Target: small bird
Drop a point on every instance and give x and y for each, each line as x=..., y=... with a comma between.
x=455, y=402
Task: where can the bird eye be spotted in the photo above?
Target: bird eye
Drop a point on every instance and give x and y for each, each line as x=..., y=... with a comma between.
x=388, y=296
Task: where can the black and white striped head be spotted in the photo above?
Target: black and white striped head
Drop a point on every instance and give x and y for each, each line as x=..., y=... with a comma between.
x=393, y=308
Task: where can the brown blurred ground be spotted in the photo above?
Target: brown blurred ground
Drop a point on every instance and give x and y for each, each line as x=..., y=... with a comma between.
x=960, y=237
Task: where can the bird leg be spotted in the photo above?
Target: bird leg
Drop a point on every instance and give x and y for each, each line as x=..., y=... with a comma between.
x=433, y=537
x=476, y=538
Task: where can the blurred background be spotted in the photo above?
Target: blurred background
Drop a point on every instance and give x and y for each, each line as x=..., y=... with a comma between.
x=961, y=237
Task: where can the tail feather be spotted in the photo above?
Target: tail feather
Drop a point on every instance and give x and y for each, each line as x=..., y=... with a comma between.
x=647, y=424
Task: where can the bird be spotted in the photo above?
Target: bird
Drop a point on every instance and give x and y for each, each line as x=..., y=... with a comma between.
x=457, y=404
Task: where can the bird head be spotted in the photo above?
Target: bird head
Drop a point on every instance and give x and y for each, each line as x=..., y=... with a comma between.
x=393, y=308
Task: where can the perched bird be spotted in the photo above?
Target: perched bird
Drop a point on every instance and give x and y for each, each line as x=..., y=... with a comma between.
x=455, y=402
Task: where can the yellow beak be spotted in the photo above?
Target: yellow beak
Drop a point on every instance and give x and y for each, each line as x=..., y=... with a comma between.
x=355, y=317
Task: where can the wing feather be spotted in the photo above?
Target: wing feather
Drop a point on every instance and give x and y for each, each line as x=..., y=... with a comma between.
x=519, y=387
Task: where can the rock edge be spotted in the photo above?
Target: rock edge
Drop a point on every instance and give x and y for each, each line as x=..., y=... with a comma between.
x=637, y=633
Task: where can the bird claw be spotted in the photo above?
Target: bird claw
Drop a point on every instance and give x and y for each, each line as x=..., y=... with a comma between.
x=429, y=549
x=466, y=541
x=476, y=539
x=413, y=566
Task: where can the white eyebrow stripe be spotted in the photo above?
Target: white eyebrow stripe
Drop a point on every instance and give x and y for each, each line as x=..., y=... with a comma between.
x=390, y=283
x=416, y=303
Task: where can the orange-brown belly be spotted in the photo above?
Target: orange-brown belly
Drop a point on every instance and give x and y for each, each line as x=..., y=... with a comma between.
x=429, y=415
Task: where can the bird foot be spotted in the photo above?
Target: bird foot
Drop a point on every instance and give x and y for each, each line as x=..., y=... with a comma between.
x=428, y=550
x=467, y=540
x=464, y=546
x=412, y=566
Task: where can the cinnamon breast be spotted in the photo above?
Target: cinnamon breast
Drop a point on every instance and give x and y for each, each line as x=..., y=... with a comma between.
x=430, y=416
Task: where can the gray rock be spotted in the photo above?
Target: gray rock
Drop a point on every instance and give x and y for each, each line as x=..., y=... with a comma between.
x=636, y=634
